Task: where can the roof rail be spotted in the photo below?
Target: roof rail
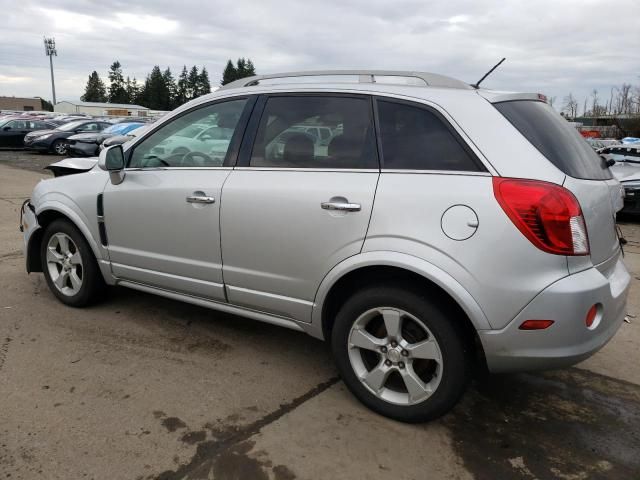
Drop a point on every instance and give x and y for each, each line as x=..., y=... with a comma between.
x=364, y=76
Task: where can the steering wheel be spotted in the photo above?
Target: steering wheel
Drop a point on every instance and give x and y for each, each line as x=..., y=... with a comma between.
x=155, y=158
x=190, y=160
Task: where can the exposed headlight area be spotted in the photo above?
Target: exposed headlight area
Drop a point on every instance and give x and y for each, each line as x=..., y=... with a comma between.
x=44, y=137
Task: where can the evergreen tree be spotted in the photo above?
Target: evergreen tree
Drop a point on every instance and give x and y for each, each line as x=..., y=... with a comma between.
x=172, y=90
x=241, y=67
x=155, y=91
x=95, y=91
x=204, y=83
x=230, y=73
x=117, y=88
x=193, y=90
x=182, y=88
x=249, y=69
x=46, y=105
x=133, y=90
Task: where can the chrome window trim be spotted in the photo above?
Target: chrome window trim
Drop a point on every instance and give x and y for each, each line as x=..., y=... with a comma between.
x=155, y=169
x=291, y=169
x=438, y=172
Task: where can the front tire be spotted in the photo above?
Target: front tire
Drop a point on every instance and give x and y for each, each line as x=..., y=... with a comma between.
x=69, y=267
x=400, y=353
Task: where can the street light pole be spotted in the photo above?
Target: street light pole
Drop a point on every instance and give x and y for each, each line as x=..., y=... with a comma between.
x=50, y=51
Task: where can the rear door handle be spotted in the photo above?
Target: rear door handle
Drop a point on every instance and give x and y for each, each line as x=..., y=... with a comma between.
x=200, y=199
x=343, y=206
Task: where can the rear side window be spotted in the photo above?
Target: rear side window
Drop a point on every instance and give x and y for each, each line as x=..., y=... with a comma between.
x=288, y=133
x=417, y=138
x=555, y=138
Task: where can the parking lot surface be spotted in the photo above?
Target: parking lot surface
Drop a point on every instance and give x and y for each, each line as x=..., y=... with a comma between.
x=142, y=387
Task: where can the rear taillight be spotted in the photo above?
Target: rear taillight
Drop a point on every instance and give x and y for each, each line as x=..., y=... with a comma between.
x=547, y=214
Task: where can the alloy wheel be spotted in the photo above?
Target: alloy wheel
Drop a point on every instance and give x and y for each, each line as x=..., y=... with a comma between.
x=60, y=148
x=64, y=264
x=395, y=356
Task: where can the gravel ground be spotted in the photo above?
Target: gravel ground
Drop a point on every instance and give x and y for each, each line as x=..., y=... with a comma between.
x=142, y=387
x=28, y=160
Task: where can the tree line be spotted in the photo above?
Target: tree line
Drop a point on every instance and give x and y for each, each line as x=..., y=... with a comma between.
x=160, y=89
x=622, y=100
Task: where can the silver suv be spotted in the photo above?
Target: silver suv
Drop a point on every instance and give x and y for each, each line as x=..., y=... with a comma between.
x=439, y=229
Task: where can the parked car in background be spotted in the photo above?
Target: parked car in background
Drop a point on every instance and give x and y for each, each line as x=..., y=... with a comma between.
x=13, y=130
x=626, y=140
x=446, y=228
x=598, y=143
x=55, y=141
x=88, y=144
x=631, y=185
x=624, y=160
x=122, y=139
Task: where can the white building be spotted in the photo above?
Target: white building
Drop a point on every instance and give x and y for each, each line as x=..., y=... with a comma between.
x=101, y=109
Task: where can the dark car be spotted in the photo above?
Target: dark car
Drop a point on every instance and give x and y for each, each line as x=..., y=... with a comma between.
x=55, y=141
x=87, y=144
x=13, y=130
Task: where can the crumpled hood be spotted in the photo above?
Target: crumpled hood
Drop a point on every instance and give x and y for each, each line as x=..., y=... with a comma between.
x=70, y=166
x=635, y=177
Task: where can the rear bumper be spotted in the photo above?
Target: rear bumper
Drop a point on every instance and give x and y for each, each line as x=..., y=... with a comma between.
x=568, y=340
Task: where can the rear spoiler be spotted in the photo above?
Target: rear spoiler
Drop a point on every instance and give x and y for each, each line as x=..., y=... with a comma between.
x=496, y=97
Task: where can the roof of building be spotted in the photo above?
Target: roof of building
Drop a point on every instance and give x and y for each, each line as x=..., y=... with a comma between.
x=104, y=105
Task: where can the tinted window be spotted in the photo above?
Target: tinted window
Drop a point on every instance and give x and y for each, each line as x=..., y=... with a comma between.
x=169, y=147
x=287, y=138
x=555, y=138
x=417, y=138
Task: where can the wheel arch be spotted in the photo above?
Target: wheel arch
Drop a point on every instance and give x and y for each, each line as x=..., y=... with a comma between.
x=47, y=214
x=381, y=267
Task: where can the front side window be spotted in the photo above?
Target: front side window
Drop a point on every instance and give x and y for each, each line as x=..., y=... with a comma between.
x=288, y=137
x=17, y=125
x=417, y=138
x=200, y=138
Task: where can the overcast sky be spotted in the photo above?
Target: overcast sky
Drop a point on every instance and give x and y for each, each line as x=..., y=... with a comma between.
x=552, y=47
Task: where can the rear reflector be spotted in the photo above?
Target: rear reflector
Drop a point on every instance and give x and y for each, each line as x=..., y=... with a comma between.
x=536, y=324
x=591, y=316
x=547, y=214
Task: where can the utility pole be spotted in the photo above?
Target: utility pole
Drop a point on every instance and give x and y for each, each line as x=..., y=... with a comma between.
x=50, y=50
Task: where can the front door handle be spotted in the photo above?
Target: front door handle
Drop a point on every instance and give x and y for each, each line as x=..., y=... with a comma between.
x=343, y=206
x=200, y=198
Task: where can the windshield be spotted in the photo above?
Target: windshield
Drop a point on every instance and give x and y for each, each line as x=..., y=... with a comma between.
x=555, y=138
x=67, y=127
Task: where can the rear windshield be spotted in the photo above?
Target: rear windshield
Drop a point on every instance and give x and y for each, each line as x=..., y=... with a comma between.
x=555, y=138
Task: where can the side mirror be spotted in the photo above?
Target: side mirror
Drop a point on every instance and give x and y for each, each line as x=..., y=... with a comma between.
x=7, y=128
x=112, y=160
x=611, y=163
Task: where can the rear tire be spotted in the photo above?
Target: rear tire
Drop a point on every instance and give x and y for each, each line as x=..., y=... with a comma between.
x=69, y=266
x=58, y=147
x=400, y=353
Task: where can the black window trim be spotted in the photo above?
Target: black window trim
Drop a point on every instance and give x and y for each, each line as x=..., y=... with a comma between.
x=482, y=168
x=231, y=156
x=246, y=150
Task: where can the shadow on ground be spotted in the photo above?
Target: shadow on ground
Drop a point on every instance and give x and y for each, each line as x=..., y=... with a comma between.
x=570, y=425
